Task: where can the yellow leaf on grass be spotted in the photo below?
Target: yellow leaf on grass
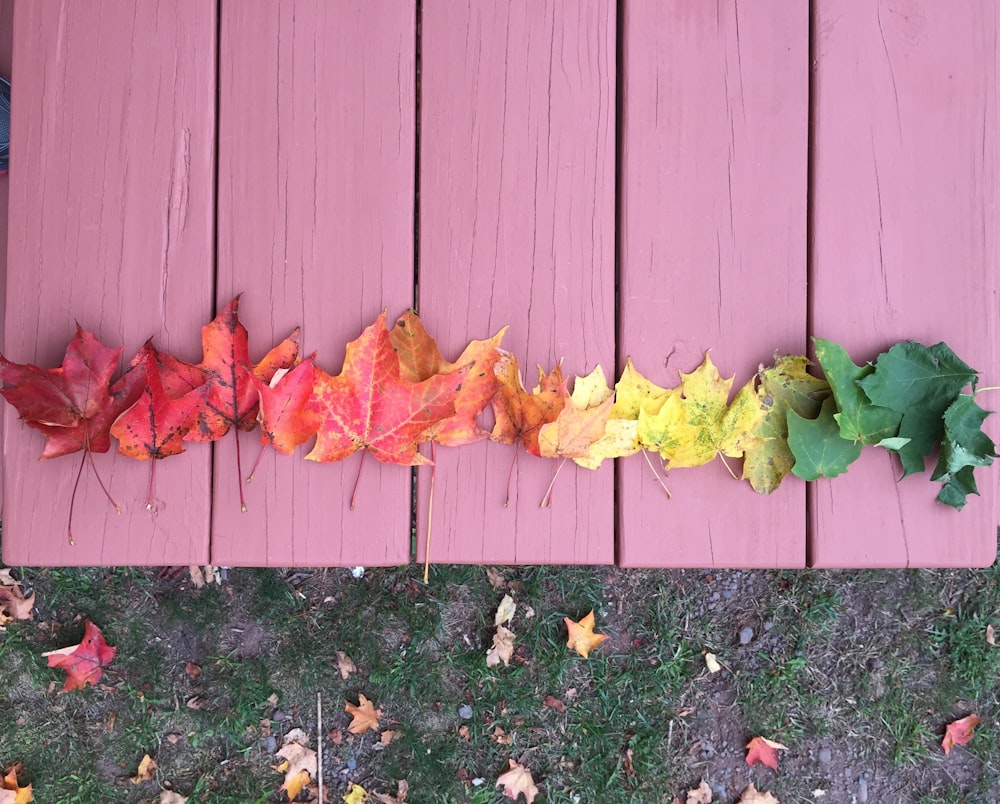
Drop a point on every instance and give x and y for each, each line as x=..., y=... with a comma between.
x=364, y=716
x=356, y=795
x=582, y=638
x=300, y=763
x=505, y=611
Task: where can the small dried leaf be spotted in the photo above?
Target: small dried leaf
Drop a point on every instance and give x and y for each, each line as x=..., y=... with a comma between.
x=345, y=665
x=991, y=637
x=959, y=732
x=364, y=716
x=503, y=647
x=760, y=749
x=554, y=703
x=505, y=611
x=147, y=769
x=702, y=794
x=712, y=663
x=582, y=638
x=517, y=781
x=754, y=796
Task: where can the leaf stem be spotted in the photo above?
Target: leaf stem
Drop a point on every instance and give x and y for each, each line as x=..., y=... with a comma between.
x=256, y=463
x=656, y=474
x=510, y=472
x=93, y=465
x=728, y=468
x=357, y=480
x=547, y=499
x=239, y=470
x=430, y=516
x=149, y=491
x=978, y=391
x=72, y=501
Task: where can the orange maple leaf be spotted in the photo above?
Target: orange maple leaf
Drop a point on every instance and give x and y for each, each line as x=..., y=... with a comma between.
x=285, y=419
x=84, y=662
x=8, y=785
x=520, y=415
x=581, y=635
x=370, y=406
x=959, y=732
x=516, y=781
x=420, y=359
x=364, y=716
x=760, y=749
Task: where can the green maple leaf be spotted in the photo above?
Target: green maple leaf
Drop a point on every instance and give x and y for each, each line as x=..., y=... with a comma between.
x=964, y=447
x=859, y=419
x=920, y=383
x=819, y=448
x=786, y=386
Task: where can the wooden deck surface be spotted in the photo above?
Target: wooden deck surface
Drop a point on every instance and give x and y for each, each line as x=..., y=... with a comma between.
x=647, y=179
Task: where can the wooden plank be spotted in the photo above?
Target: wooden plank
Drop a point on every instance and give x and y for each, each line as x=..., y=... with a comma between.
x=517, y=228
x=713, y=252
x=111, y=204
x=6, y=42
x=316, y=177
x=904, y=210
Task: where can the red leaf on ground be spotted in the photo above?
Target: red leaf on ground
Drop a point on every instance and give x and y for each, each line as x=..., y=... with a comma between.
x=84, y=662
x=760, y=749
x=959, y=732
x=370, y=406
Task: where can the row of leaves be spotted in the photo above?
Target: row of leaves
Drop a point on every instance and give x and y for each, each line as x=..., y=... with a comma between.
x=396, y=391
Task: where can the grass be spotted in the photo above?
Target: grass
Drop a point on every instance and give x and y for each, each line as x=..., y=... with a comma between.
x=867, y=667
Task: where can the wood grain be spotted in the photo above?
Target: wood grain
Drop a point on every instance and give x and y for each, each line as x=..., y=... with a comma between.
x=6, y=43
x=111, y=224
x=517, y=228
x=905, y=224
x=713, y=252
x=316, y=197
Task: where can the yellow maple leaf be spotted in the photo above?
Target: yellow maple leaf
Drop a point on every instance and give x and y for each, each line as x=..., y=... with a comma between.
x=582, y=638
x=581, y=422
x=364, y=716
x=633, y=393
x=356, y=795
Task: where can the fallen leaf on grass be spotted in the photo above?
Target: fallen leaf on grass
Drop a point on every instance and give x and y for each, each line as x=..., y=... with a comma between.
x=760, y=749
x=356, y=795
x=959, y=732
x=754, y=796
x=702, y=794
x=84, y=662
x=582, y=638
x=364, y=716
x=10, y=792
x=299, y=765
x=503, y=647
x=402, y=788
x=991, y=637
x=505, y=611
x=13, y=604
x=193, y=670
x=516, y=781
x=464, y=733
x=501, y=736
x=170, y=797
x=345, y=665
x=147, y=767
x=554, y=703
x=712, y=663
x=389, y=735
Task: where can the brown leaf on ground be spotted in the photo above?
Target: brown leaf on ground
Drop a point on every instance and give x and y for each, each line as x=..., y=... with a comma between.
x=517, y=781
x=505, y=611
x=991, y=636
x=463, y=732
x=554, y=703
x=760, y=749
x=13, y=604
x=170, y=797
x=345, y=665
x=389, y=735
x=502, y=737
x=582, y=638
x=503, y=647
x=147, y=769
x=959, y=732
x=754, y=796
x=300, y=763
x=402, y=788
x=364, y=716
x=10, y=792
x=193, y=670
x=702, y=794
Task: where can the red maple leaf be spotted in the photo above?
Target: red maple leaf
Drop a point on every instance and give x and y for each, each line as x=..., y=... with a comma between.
x=760, y=749
x=155, y=426
x=285, y=420
x=84, y=662
x=369, y=406
x=232, y=396
x=959, y=732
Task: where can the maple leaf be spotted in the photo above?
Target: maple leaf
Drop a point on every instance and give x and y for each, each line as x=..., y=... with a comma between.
x=13, y=604
x=364, y=716
x=10, y=791
x=959, y=732
x=146, y=770
x=919, y=383
x=582, y=638
x=503, y=647
x=964, y=447
x=286, y=421
x=702, y=794
x=505, y=611
x=356, y=795
x=751, y=795
x=420, y=359
x=760, y=749
x=85, y=661
x=402, y=788
x=818, y=446
x=516, y=781
x=582, y=424
x=520, y=415
x=300, y=763
x=785, y=386
x=692, y=427
x=370, y=406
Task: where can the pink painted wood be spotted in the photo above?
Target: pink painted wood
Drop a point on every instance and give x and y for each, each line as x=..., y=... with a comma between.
x=110, y=224
x=6, y=42
x=713, y=252
x=316, y=195
x=517, y=227
x=904, y=210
